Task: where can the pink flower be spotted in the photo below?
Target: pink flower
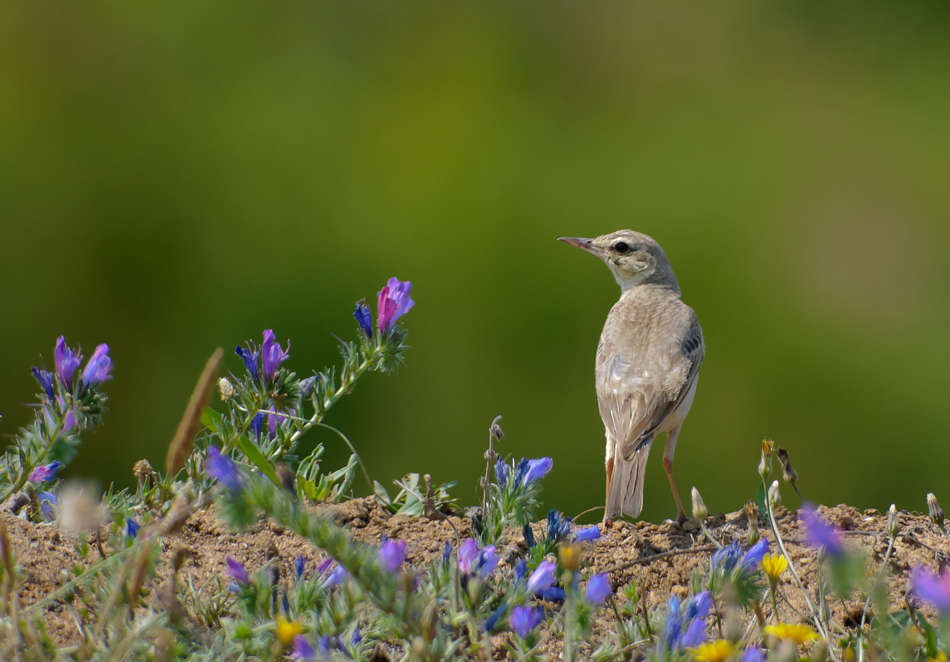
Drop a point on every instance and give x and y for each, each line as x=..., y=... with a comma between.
x=394, y=302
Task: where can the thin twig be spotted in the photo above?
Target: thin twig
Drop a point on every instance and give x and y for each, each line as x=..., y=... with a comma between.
x=661, y=555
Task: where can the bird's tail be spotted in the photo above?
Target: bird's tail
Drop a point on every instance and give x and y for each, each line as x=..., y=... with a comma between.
x=626, y=483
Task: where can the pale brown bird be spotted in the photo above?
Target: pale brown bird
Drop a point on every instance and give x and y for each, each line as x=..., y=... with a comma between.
x=647, y=364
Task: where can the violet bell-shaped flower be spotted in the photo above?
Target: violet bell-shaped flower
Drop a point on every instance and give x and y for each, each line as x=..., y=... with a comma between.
x=237, y=571
x=932, y=588
x=98, y=366
x=524, y=620
x=587, y=534
x=820, y=533
x=392, y=554
x=598, y=588
x=45, y=379
x=249, y=355
x=753, y=557
x=394, y=302
x=272, y=354
x=542, y=577
x=537, y=469
x=222, y=468
x=67, y=361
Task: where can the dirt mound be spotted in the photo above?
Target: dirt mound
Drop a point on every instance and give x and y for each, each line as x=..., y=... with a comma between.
x=660, y=558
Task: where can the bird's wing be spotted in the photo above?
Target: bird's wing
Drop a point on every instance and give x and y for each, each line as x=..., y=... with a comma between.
x=643, y=374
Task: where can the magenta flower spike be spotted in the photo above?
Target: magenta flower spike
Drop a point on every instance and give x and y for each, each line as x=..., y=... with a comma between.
x=394, y=302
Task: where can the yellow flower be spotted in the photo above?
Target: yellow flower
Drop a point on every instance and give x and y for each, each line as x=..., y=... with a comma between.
x=774, y=565
x=287, y=630
x=793, y=631
x=941, y=657
x=717, y=651
x=570, y=555
x=767, y=446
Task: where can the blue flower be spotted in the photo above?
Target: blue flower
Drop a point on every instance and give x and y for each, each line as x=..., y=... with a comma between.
x=528, y=536
x=521, y=569
x=520, y=472
x=673, y=627
x=47, y=505
x=753, y=557
x=250, y=357
x=336, y=576
x=257, y=423
x=537, y=469
x=474, y=560
x=446, y=552
x=300, y=564
x=394, y=302
x=45, y=473
x=356, y=637
x=98, y=367
x=559, y=527
x=365, y=319
x=753, y=654
x=727, y=557
x=588, y=534
x=272, y=354
x=932, y=588
x=67, y=361
x=821, y=534
x=392, y=554
x=495, y=615
x=303, y=650
x=237, y=571
x=468, y=555
x=131, y=527
x=694, y=636
x=541, y=578
x=685, y=625
x=45, y=379
x=222, y=469
x=552, y=594
x=598, y=588
x=487, y=561
x=501, y=472
x=699, y=606
x=524, y=620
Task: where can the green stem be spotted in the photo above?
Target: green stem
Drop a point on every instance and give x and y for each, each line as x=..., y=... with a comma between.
x=25, y=473
x=864, y=612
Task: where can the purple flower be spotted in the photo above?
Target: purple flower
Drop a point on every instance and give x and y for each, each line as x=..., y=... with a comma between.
x=699, y=606
x=256, y=424
x=932, y=588
x=356, y=637
x=392, y=554
x=47, y=505
x=588, y=534
x=45, y=473
x=521, y=569
x=598, y=588
x=272, y=355
x=727, y=557
x=487, y=561
x=820, y=533
x=753, y=557
x=222, y=468
x=237, y=571
x=394, y=302
x=300, y=564
x=446, y=552
x=753, y=654
x=468, y=555
x=365, y=318
x=302, y=649
x=501, y=472
x=336, y=576
x=98, y=367
x=250, y=357
x=541, y=578
x=552, y=594
x=131, y=527
x=67, y=361
x=694, y=636
x=673, y=627
x=537, y=469
x=45, y=379
x=524, y=620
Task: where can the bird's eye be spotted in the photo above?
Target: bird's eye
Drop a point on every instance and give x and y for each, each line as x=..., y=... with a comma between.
x=622, y=247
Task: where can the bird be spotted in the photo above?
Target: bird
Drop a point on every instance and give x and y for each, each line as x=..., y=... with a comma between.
x=647, y=365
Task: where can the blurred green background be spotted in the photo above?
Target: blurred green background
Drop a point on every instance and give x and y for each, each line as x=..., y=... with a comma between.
x=179, y=176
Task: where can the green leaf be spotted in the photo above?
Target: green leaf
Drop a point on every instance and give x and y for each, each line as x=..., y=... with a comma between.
x=254, y=454
x=381, y=493
x=211, y=420
x=760, y=502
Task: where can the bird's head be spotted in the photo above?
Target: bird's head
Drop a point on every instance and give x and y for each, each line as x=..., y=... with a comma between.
x=633, y=257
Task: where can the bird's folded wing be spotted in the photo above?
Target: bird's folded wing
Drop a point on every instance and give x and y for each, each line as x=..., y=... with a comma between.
x=639, y=387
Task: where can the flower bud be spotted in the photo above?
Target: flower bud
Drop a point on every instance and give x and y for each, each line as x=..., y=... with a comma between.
x=570, y=555
x=495, y=429
x=226, y=388
x=765, y=464
x=144, y=474
x=788, y=474
x=753, y=534
x=700, y=513
x=775, y=496
x=936, y=512
x=893, y=525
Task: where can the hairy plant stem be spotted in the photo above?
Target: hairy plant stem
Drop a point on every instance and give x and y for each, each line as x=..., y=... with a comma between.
x=877, y=579
x=27, y=468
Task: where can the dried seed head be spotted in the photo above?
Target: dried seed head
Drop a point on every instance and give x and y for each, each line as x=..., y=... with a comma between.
x=788, y=474
x=144, y=474
x=936, y=512
x=753, y=535
x=775, y=496
x=765, y=464
x=226, y=388
x=893, y=525
x=495, y=429
x=700, y=512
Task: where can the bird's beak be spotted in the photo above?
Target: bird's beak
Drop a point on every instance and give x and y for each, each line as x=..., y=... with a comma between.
x=583, y=244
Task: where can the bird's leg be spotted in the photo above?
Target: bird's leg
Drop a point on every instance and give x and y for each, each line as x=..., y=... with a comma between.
x=610, y=472
x=668, y=451
x=609, y=466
